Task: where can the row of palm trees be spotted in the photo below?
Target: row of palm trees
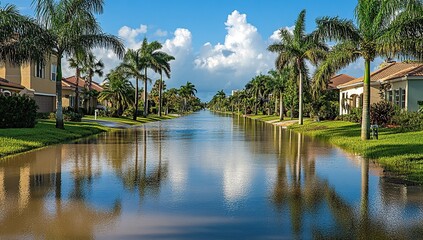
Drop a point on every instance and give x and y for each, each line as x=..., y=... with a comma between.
x=61, y=28
x=382, y=28
x=120, y=94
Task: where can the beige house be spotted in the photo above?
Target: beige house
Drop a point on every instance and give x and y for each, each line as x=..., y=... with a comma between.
x=399, y=83
x=36, y=79
x=69, y=94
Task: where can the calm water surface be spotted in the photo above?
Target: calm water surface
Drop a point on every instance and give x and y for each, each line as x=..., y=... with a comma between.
x=203, y=176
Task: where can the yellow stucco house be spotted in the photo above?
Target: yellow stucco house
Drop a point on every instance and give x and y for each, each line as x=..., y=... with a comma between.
x=396, y=82
x=37, y=79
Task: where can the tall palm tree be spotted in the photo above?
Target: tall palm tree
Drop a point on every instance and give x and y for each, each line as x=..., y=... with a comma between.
x=384, y=28
x=281, y=80
x=186, y=91
x=163, y=67
x=91, y=67
x=294, y=49
x=220, y=97
x=76, y=61
x=133, y=67
x=152, y=58
x=117, y=90
x=257, y=87
x=72, y=25
x=21, y=38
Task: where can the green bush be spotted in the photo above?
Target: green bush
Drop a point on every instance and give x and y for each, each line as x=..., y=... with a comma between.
x=381, y=113
x=409, y=121
x=17, y=111
x=43, y=115
x=69, y=115
x=354, y=116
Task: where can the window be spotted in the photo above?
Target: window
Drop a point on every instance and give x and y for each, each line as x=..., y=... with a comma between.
x=389, y=96
x=53, y=72
x=403, y=97
x=397, y=97
x=71, y=101
x=40, y=69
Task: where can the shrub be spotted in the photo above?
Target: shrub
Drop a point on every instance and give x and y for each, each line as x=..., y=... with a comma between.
x=69, y=115
x=17, y=111
x=409, y=121
x=381, y=113
x=43, y=115
x=354, y=116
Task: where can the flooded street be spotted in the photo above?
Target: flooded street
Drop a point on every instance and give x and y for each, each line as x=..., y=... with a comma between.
x=203, y=176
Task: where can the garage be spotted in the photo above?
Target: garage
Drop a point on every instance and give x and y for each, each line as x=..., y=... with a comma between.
x=45, y=103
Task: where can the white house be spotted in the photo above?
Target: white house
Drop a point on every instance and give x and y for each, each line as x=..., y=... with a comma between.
x=399, y=83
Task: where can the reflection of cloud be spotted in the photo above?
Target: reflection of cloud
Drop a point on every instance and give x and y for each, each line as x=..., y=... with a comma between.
x=236, y=179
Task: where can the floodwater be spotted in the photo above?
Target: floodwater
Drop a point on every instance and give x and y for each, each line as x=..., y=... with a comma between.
x=203, y=176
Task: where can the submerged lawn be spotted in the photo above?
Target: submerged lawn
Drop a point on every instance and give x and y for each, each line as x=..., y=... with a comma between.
x=17, y=140
x=399, y=152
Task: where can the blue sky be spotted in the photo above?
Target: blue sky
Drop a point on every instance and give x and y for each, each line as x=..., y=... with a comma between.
x=218, y=44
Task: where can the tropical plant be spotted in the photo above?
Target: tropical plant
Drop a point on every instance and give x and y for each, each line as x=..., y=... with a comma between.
x=77, y=62
x=163, y=67
x=294, y=49
x=277, y=85
x=118, y=91
x=21, y=38
x=256, y=88
x=186, y=91
x=132, y=66
x=384, y=28
x=91, y=67
x=72, y=25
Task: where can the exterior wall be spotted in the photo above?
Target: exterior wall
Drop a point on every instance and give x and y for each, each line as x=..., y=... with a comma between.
x=415, y=93
x=354, y=98
x=67, y=93
x=42, y=85
x=12, y=73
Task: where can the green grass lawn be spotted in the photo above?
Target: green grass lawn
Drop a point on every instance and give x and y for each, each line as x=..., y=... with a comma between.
x=401, y=152
x=129, y=121
x=17, y=140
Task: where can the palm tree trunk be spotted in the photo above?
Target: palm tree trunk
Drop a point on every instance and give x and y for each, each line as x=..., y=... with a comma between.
x=160, y=94
x=255, y=106
x=365, y=124
x=281, y=106
x=76, y=107
x=276, y=104
x=136, y=100
x=300, y=98
x=59, y=110
x=145, y=94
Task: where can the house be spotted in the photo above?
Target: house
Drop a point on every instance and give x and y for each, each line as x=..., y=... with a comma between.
x=400, y=83
x=69, y=86
x=37, y=79
x=339, y=79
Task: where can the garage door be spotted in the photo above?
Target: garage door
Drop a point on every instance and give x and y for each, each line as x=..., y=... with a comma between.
x=45, y=103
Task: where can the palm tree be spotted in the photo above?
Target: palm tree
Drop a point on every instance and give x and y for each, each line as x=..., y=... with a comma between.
x=91, y=67
x=77, y=62
x=257, y=87
x=132, y=66
x=163, y=66
x=220, y=97
x=186, y=91
x=72, y=25
x=117, y=91
x=294, y=49
x=152, y=58
x=278, y=82
x=384, y=28
x=21, y=38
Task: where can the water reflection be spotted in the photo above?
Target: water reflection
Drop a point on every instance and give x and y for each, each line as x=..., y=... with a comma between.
x=204, y=176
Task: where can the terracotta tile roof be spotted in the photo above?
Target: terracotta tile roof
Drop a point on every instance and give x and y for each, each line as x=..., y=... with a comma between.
x=338, y=80
x=7, y=83
x=70, y=83
x=390, y=72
